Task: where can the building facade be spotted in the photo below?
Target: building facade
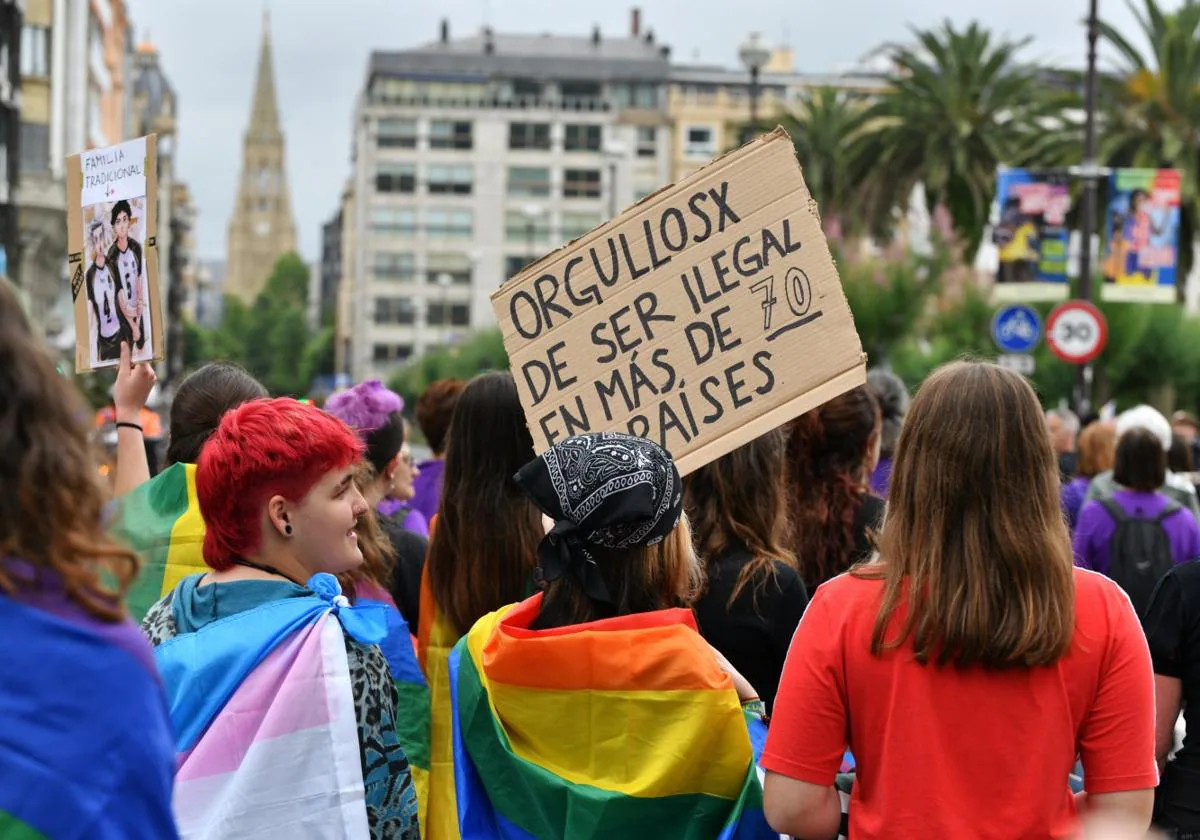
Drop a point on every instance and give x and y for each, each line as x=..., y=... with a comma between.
x=474, y=156
x=261, y=228
x=11, y=18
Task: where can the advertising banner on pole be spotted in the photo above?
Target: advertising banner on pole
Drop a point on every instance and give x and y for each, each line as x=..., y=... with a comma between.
x=1141, y=253
x=1032, y=235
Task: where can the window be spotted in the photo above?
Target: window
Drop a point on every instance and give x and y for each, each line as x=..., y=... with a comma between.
x=645, y=96
x=579, y=90
x=529, y=136
x=395, y=310
x=390, y=265
x=700, y=142
x=456, y=266
x=447, y=134
x=582, y=138
x=35, y=51
x=35, y=147
x=528, y=88
x=395, y=133
x=529, y=181
x=647, y=141
x=394, y=220
x=581, y=183
x=396, y=178
x=450, y=224
x=521, y=227
x=450, y=180
x=515, y=265
x=452, y=314
x=396, y=353
x=575, y=225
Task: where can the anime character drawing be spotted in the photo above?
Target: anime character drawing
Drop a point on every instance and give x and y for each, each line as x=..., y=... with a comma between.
x=126, y=256
x=104, y=294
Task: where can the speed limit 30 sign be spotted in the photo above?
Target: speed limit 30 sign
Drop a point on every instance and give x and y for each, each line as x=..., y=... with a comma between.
x=1076, y=332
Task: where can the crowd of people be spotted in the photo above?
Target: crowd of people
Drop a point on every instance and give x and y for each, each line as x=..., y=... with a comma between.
x=956, y=617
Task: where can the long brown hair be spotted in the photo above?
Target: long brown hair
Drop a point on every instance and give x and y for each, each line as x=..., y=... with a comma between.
x=484, y=545
x=975, y=545
x=379, y=555
x=640, y=580
x=50, y=508
x=828, y=453
x=742, y=498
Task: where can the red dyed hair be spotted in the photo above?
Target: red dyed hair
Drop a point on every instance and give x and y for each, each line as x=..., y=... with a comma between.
x=263, y=448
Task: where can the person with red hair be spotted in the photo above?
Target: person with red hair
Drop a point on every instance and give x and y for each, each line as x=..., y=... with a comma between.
x=276, y=487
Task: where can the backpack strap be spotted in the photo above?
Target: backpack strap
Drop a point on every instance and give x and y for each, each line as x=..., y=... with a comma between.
x=1114, y=509
x=1171, y=508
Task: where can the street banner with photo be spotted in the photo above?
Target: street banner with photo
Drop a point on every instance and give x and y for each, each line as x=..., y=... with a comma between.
x=1141, y=254
x=705, y=315
x=113, y=261
x=1031, y=235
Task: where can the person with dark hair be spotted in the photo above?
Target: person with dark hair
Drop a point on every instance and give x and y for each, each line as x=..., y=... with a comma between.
x=753, y=597
x=889, y=391
x=374, y=413
x=481, y=556
x=833, y=450
x=126, y=256
x=629, y=724
x=158, y=517
x=1172, y=624
x=970, y=665
x=434, y=411
x=103, y=293
x=1168, y=532
x=268, y=668
x=87, y=746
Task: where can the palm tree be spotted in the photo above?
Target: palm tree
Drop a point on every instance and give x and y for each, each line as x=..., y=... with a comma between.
x=1151, y=106
x=959, y=104
x=824, y=127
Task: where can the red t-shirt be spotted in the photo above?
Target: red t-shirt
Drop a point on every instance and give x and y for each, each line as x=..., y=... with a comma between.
x=964, y=753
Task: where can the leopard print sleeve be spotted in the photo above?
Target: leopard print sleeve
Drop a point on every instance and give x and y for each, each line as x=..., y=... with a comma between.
x=391, y=799
x=159, y=623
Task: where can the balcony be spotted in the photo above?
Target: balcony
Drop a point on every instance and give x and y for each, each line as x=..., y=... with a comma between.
x=497, y=102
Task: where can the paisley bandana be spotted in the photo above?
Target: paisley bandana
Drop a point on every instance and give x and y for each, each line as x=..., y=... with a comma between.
x=603, y=490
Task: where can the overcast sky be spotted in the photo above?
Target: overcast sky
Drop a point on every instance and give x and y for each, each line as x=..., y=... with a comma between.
x=210, y=49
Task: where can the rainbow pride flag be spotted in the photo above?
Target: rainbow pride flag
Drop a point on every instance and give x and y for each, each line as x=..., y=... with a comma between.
x=85, y=742
x=263, y=712
x=161, y=521
x=618, y=728
x=435, y=640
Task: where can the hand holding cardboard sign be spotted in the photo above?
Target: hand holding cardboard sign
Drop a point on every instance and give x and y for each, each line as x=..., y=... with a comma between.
x=134, y=383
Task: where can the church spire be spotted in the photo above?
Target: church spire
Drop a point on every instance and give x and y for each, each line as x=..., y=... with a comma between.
x=264, y=114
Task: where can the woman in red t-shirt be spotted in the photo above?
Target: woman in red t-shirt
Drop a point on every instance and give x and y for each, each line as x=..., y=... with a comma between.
x=971, y=666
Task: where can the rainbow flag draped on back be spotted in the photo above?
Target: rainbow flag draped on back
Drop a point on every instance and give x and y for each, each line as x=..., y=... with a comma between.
x=85, y=741
x=619, y=728
x=161, y=521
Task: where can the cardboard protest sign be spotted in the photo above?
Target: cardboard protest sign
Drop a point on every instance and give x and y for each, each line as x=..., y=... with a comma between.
x=702, y=317
x=113, y=262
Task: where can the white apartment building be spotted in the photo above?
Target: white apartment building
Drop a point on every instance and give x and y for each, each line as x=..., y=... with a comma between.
x=474, y=156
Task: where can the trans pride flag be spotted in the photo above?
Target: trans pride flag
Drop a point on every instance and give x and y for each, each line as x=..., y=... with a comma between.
x=161, y=521
x=264, y=720
x=619, y=728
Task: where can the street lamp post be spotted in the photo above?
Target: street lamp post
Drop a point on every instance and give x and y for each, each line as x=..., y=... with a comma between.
x=1090, y=174
x=754, y=56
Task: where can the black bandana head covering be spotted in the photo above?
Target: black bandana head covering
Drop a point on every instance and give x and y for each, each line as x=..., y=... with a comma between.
x=605, y=490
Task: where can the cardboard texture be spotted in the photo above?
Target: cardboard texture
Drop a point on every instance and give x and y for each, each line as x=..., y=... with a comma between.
x=97, y=181
x=702, y=317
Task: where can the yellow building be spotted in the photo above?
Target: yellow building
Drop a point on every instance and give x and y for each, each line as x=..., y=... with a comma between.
x=709, y=106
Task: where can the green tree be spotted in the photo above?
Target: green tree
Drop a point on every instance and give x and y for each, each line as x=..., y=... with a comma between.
x=1151, y=107
x=824, y=127
x=481, y=352
x=958, y=105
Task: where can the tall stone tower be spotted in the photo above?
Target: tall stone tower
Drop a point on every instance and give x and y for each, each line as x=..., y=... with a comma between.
x=261, y=229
